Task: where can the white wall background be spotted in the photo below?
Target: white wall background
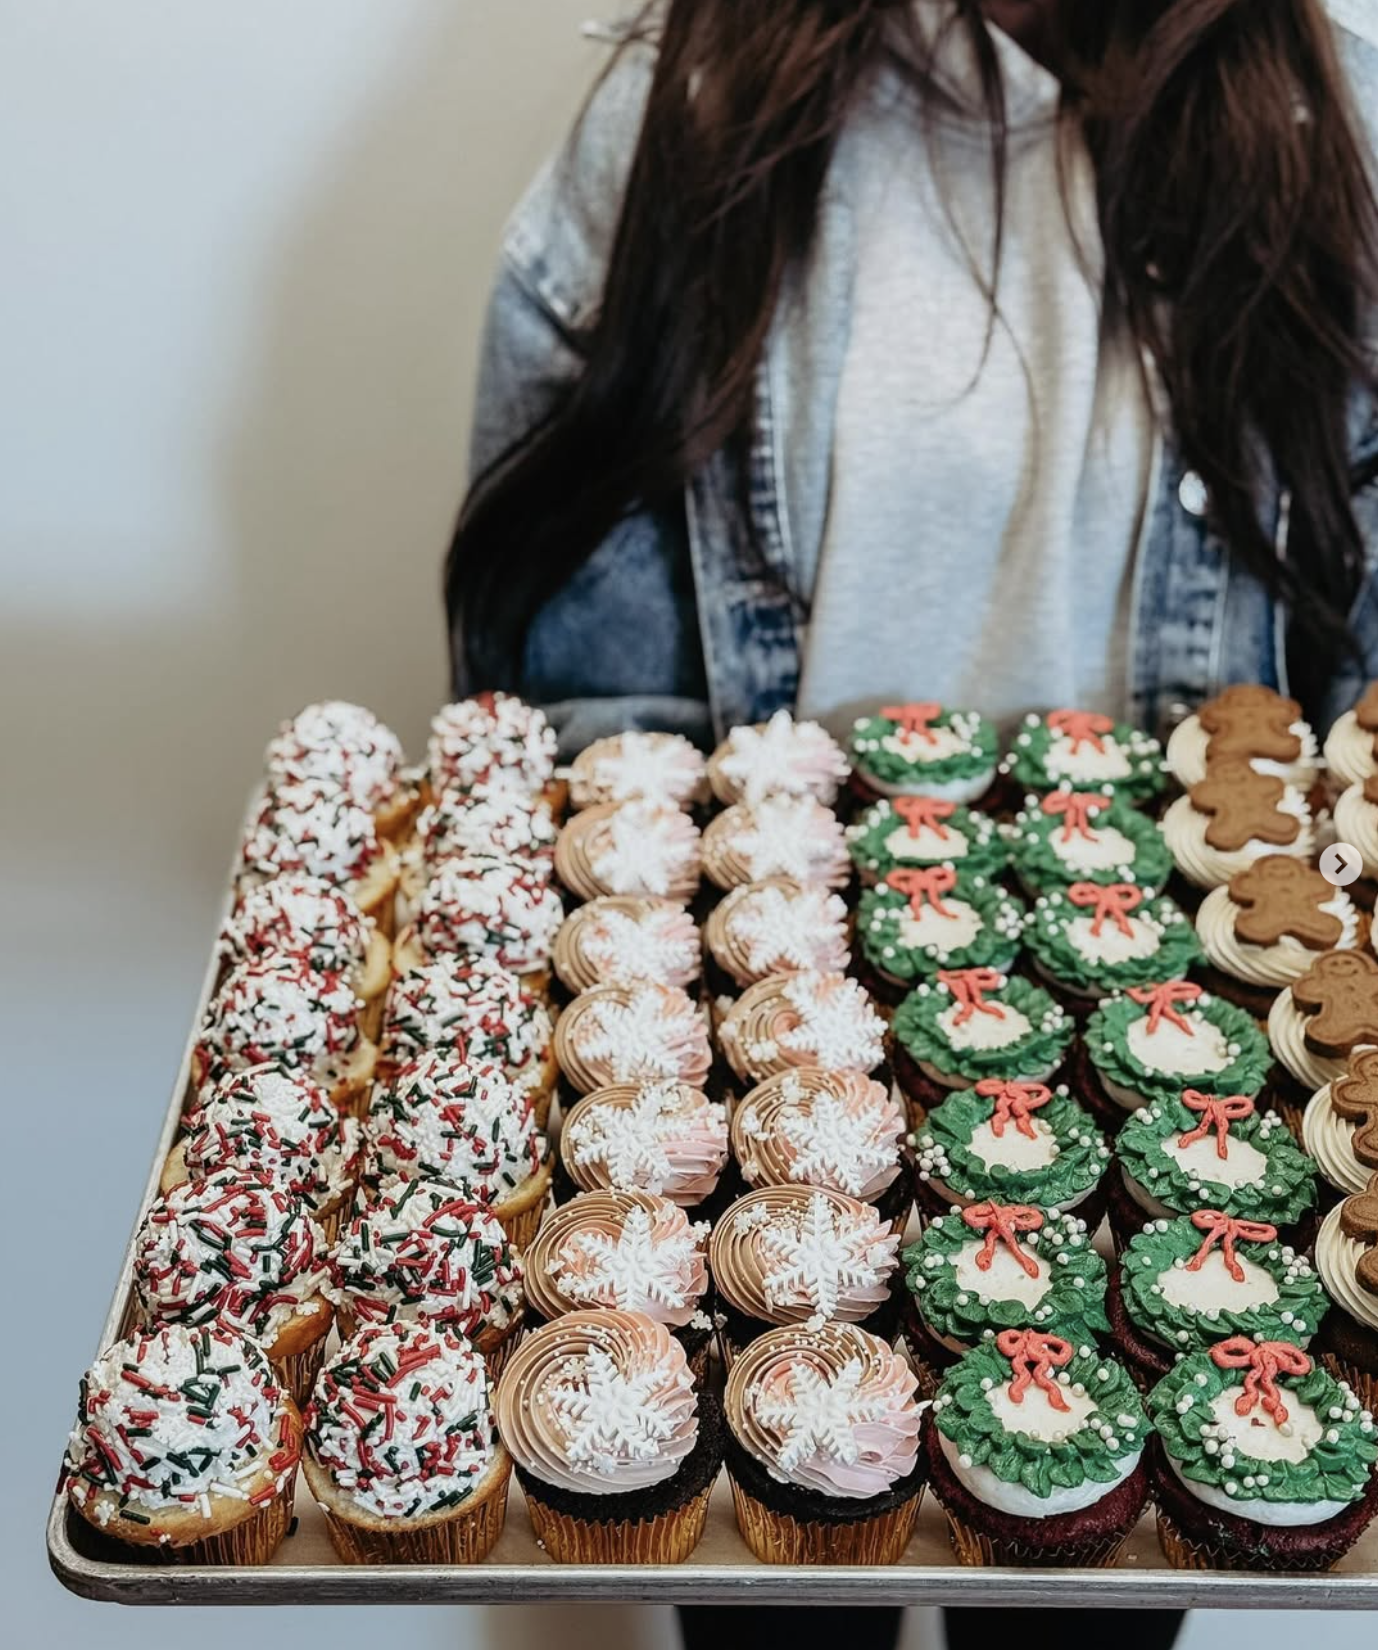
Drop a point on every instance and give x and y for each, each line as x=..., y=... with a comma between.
x=245, y=252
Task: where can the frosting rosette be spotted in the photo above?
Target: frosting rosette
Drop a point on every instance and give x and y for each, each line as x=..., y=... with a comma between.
x=801, y=1254
x=805, y=1019
x=475, y=1007
x=967, y=1024
x=1093, y=938
x=445, y=1118
x=652, y=767
x=1351, y=746
x=946, y=754
x=778, y=927
x=1186, y=831
x=832, y=1410
x=654, y=1136
x=1356, y=821
x=922, y=831
x=780, y=836
x=639, y=847
x=619, y=939
x=491, y=742
x=1278, y=963
x=1152, y=1042
x=840, y=1130
x=487, y=907
x=280, y=1012
x=310, y=828
x=917, y=922
x=401, y=1421
x=780, y=757
x=642, y=1032
x=622, y=1252
x=1072, y=836
x=509, y=825
x=341, y=745
x=599, y=1403
x=1078, y=750
x=303, y=917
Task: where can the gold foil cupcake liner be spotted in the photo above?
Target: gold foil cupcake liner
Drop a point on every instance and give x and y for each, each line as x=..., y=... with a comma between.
x=465, y=1538
x=777, y=1538
x=253, y=1540
x=297, y=1373
x=977, y=1550
x=668, y=1538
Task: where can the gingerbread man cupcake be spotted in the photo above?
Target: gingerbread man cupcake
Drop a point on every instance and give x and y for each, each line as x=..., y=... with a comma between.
x=1251, y=722
x=1351, y=746
x=1231, y=817
x=1317, y=1023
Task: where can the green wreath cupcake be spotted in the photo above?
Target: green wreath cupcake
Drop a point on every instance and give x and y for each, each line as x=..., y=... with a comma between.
x=923, y=750
x=1080, y=750
x=996, y=1266
x=1086, y=836
x=1010, y=1143
x=919, y=831
x=918, y=922
x=1092, y=939
x=1264, y=1460
x=1035, y=1451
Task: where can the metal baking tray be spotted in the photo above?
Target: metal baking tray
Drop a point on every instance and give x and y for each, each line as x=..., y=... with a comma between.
x=305, y=1569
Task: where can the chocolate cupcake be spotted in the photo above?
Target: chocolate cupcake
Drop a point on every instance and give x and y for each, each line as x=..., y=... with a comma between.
x=1081, y=750
x=1347, y=1259
x=644, y=848
x=1093, y=938
x=780, y=757
x=924, y=750
x=1351, y=746
x=780, y=836
x=500, y=910
x=635, y=1033
x=1340, y=1127
x=624, y=938
x=1232, y=817
x=1086, y=836
x=1317, y=1023
x=775, y=927
x=660, y=1137
x=491, y=742
x=917, y=832
x=1250, y=721
x=639, y=767
x=792, y=1020
x=344, y=747
x=916, y=923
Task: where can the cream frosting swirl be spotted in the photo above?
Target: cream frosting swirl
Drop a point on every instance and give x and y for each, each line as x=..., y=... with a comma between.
x=1184, y=831
x=632, y=1033
x=1287, y=1033
x=654, y=767
x=599, y=1403
x=1356, y=822
x=777, y=927
x=475, y=1006
x=487, y=907
x=638, y=847
x=506, y=824
x=780, y=757
x=802, y=1020
x=837, y=1129
x=1189, y=746
x=661, y=1137
x=298, y=916
x=624, y=937
x=343, y=745
x=1265, y=965
x=1337, y=1260
x=781, y=836
x=832, y=1410
x=280, y=1012
x=1351, y=751
x=1329, y=1139
x=490, y=742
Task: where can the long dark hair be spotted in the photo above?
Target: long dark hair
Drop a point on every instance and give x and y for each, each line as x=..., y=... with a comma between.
x=1240, y=238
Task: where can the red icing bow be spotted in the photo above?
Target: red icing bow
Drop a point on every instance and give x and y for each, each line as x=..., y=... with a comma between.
x=1034, y=1357
x=1076, y=809
x=1116, y=900
x=913, y=719
x=925, y=813
x=1013, y=1101
x=1002, y=1223
x=1081, y=727
x=1265, y=1361
x=968, y=987
x=1161, y=1002
x=1216, y=1112
x=929, y=885
x=1226, y=1231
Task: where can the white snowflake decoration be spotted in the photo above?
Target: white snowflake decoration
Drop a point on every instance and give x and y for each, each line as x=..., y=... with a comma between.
x=606, y=1415
x=641, y=849
x=838, y=1026
x=634, y=1038
x=626, y=949
x=817, y=1256
x=630, y=1140
x=786, y=836
x=834, y=1146
x=787, y=930
x=818, y=1418
x=631, y=1270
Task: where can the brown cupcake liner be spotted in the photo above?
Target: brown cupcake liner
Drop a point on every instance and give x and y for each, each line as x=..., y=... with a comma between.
x=1364, y=1382
x=975, y=1549
x=466, y=1538
x=777, y=1538
x=668, y=1538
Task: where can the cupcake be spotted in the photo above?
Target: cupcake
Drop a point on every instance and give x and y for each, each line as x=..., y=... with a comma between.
x=1317, y=1023
x=780, y=757
x=801, y=1255
x=1347, y=1259
x=1247, y=721
x=917, y=832
x=1351, y=746
x=1232, y=817
x=1340, y=1126
x=775, y=927
x=440, y=1117
x=279, y=1012
x=1086, y=836
x=492, y=742
x=1035, y=1450
x=401, y=1450
x=620, y=939
x=640, y=767
x=1185, y=1283
x=996, y=1266
x=426, y=1251
x=240, y=1250
x=614, y=1449
x=635, y=1033
x=185, y=1448
x=916, y=923
x=1265, y=928
x=1264, y=1461
x=1208, y=1151
x=923, y=750
x=510, y=825
x=968, y=1024
x=1011, y=1143
x=1356, y=822
x=648, y=848
x=347, y=748
x=661, y=1137
x=822, y=1447
x=1081, y=750
x=781, y=836
x=1092, y=939
x=794, y=1020
x=308, y=828
x=268, y=1122
x=624, y=1252
x=491, y=908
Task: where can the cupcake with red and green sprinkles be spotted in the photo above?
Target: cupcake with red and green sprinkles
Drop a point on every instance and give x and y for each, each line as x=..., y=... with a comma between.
x=1080, y=750
x=491, y=742
x=917, y=922
x=1094, y=938
x=923, y=749
x=917, y=832
x=486, y=907
x=973, y=1023
x=1086, y=836
x=459, y=825
x=344, y=747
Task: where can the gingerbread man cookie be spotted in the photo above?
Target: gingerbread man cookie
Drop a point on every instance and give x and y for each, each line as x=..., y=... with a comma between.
x=1366, y=711
x=1355, y=1098
x=1359, y=1220
x=1340, y=993
x=1251, y=721
x=1244, y=806
x=1280, y=897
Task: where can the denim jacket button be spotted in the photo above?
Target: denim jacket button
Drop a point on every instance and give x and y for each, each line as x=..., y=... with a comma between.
x=1192, y=494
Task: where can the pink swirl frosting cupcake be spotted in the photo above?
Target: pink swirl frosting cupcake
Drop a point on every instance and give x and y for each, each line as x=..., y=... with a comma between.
x=344, y=746
x=802, y=1020
x=837, y=1129
x=649, y=848
x=780, y=757
x=632, y=1033
x=492, y=908
x=505, y=824
x=781, y=836
x=656, y=767
x=491, y=742
x=778, y=928
x=623, y=938
x=665, y=1138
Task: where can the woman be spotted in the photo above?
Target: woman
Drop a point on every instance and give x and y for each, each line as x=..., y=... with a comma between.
x=1002, y=352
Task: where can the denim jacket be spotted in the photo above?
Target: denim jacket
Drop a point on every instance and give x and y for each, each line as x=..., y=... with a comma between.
x=685, y=618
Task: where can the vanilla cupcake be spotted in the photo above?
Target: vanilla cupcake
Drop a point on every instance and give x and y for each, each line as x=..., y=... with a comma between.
x=442, y=1118
x=614, y=1449
x=1213, y=831
x=923, y=750
x=307, y=828
x=185, y=1448
x=780, y=757
x=1340, y=1126
x=347, y=747
x=662, y=1137
x=1347, y=1259
x=1249, y=721
x=500, y=824
x=1356, y=822
x=641, y=1032
x=497, y=909
x=775, y=927
x=823, y=1447
x=1351, y=746
x=916, y=832
x=620, y=939
x=780, y=836
x=650, y=767
x=244, y=1251
x=790, y=1020
x=401, y=1450
x=491, y=742
x=1081, y=750
x=641, y=847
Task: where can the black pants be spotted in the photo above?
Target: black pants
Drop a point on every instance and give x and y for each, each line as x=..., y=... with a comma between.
x=734, y=1627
